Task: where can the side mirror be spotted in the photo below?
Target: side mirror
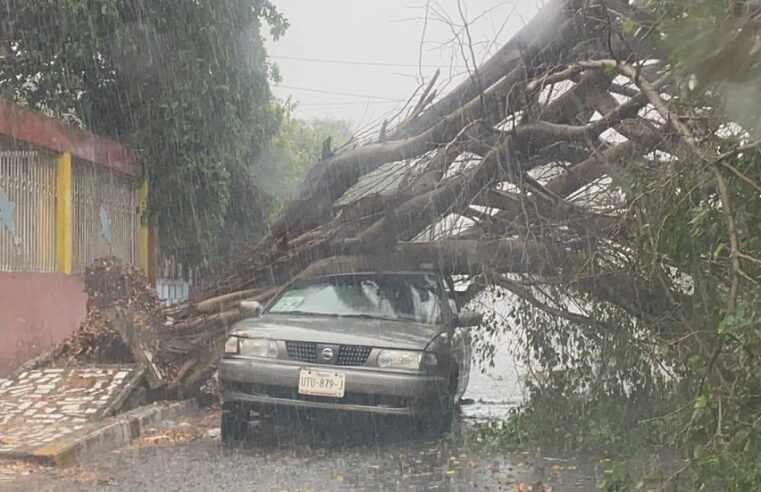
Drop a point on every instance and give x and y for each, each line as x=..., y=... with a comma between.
x=250, y=309
x=468, y=319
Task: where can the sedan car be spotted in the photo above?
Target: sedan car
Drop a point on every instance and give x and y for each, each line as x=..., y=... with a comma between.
x=377, y=343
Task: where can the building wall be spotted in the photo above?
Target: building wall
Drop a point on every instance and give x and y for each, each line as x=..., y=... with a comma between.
x=66, y=197
x=37, y=311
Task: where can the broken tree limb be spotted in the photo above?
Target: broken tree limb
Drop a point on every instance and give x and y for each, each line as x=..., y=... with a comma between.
x=223, y=302
x=516, y=174
x=330, y=179
x=537, y=32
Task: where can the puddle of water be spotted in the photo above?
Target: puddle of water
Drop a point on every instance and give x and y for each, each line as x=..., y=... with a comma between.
x=495, y=390
x=487, y=410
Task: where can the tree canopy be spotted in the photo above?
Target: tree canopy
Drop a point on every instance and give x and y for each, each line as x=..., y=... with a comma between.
x=184, y=84
x=284, y=163
x=273, y=177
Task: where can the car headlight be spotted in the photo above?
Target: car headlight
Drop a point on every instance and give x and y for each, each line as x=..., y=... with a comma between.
x=232, y=346
x=400, y=359
x=252, y=347
x=258, y=347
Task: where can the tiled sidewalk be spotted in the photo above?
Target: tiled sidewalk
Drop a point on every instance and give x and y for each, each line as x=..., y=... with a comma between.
x=43, y=405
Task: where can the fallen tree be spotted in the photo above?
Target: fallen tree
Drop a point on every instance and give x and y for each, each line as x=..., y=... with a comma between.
x=511, y=174
x=574, y=172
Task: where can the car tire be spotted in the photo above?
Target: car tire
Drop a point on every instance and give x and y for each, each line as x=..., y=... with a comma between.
x=437, y=418
x=232, y=427
x=446, y=417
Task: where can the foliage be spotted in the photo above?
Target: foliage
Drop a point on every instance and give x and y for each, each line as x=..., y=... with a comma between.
x=183, y=83
x=715, y=44
x=587, y=390
x=618, y=479
x=272, y=176
x=694, y=383
x=284, y=162
x=690, y=380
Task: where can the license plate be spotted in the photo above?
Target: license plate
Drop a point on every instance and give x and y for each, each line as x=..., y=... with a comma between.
x=318, y=383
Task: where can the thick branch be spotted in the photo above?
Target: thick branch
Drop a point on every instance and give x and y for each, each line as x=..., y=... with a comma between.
x=330, y=179
x=414, y=215
x=540, y=32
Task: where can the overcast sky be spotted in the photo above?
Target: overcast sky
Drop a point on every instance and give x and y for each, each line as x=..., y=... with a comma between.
x=359, y=59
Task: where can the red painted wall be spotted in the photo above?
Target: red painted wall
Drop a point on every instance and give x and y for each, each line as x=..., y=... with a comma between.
x=35, y=128
x=37, y=311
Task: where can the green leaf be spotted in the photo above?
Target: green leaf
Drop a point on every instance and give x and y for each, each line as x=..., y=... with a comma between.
x=726, y=326
x=701, y=402
x=697, y=451
x=719, y=249
x=696, y=364
x=629, y=26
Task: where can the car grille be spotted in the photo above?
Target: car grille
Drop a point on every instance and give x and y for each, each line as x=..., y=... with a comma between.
x=348, y=355
x=303, y=351
x=352, y=355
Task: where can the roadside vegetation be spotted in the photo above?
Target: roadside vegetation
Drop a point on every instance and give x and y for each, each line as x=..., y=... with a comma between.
x=632, y=263
x=688, y=380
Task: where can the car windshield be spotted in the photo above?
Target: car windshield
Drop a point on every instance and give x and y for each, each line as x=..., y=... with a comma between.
x=398, y=297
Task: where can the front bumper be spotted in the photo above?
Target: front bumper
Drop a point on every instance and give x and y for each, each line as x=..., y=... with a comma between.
x=265, y=382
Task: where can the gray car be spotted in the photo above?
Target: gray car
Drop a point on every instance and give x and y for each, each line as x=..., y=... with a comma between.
x=378, y=343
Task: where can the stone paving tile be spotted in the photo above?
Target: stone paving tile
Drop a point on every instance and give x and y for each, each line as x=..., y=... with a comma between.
x=42, y=405
x=12, y=470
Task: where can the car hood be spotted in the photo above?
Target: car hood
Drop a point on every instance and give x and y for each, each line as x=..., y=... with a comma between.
x=341, y=331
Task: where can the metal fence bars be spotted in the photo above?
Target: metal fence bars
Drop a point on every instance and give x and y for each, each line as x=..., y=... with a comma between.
x=27, y=211
x=105, y=215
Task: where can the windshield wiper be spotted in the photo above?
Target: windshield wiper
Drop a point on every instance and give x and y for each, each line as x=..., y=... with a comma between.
x=338, y=315
x=368, y=316
x=304, y=313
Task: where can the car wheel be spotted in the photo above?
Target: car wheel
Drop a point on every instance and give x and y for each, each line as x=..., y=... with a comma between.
x=438, y=417
x=233, y=427
x=446, y=415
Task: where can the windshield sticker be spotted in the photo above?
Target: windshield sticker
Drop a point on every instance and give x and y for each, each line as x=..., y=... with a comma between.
x=288, y=303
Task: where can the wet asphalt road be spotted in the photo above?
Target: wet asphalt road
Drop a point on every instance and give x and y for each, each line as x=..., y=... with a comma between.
x=353, y=455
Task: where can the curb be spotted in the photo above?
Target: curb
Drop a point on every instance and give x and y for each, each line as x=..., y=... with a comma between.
x=110, y=433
